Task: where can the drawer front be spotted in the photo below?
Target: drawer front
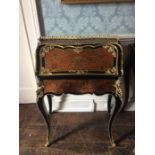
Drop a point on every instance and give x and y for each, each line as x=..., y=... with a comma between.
x=78, y=86
x=58, y=60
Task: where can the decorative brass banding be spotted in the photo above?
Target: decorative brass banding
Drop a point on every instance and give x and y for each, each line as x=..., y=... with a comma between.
x=47, y=47
x=104, y=37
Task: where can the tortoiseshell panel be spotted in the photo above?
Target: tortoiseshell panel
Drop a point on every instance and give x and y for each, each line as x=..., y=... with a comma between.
x=60, y=60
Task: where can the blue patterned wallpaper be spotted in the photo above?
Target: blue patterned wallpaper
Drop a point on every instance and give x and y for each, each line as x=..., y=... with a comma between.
x=87, y=19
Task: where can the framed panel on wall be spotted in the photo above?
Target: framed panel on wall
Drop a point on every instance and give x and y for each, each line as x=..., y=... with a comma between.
x=94, y=1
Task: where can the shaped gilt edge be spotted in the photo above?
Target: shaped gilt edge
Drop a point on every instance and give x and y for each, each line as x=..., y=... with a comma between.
x=48, y=47
x=93, y=39
x=77, y=49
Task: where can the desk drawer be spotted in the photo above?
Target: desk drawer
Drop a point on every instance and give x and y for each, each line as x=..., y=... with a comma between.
x=63, y=60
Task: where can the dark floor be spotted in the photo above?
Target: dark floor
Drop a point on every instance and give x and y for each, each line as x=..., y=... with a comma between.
x=75, y=133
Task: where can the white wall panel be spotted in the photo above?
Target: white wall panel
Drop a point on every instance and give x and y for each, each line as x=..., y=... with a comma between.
x=26, y=73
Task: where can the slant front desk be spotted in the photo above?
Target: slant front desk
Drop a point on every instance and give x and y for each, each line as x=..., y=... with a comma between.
x=79, y=66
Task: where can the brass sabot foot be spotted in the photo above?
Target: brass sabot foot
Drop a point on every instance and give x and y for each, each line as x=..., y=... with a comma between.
x=47, y=144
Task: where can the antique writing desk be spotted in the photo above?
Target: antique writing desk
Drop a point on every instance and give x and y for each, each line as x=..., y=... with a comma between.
x=79, y=66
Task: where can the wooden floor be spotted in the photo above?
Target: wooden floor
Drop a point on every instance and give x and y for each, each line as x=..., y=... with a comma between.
x=75, y=133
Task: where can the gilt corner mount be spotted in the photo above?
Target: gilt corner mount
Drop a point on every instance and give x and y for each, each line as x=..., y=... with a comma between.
x=94, y=1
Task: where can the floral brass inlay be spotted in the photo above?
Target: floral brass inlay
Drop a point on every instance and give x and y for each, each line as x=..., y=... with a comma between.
x=110, y=50
x=40, y=89
x=111, y=71
x=46, y=49
x=117, y=85
x=42, y=54
x=45, y=71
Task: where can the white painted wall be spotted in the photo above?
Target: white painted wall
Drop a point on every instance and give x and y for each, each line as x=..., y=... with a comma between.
x=29, y=33
x=27, y=85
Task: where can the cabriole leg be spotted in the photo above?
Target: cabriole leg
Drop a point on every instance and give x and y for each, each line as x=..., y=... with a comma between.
x=46, y=116
x=115, y=110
